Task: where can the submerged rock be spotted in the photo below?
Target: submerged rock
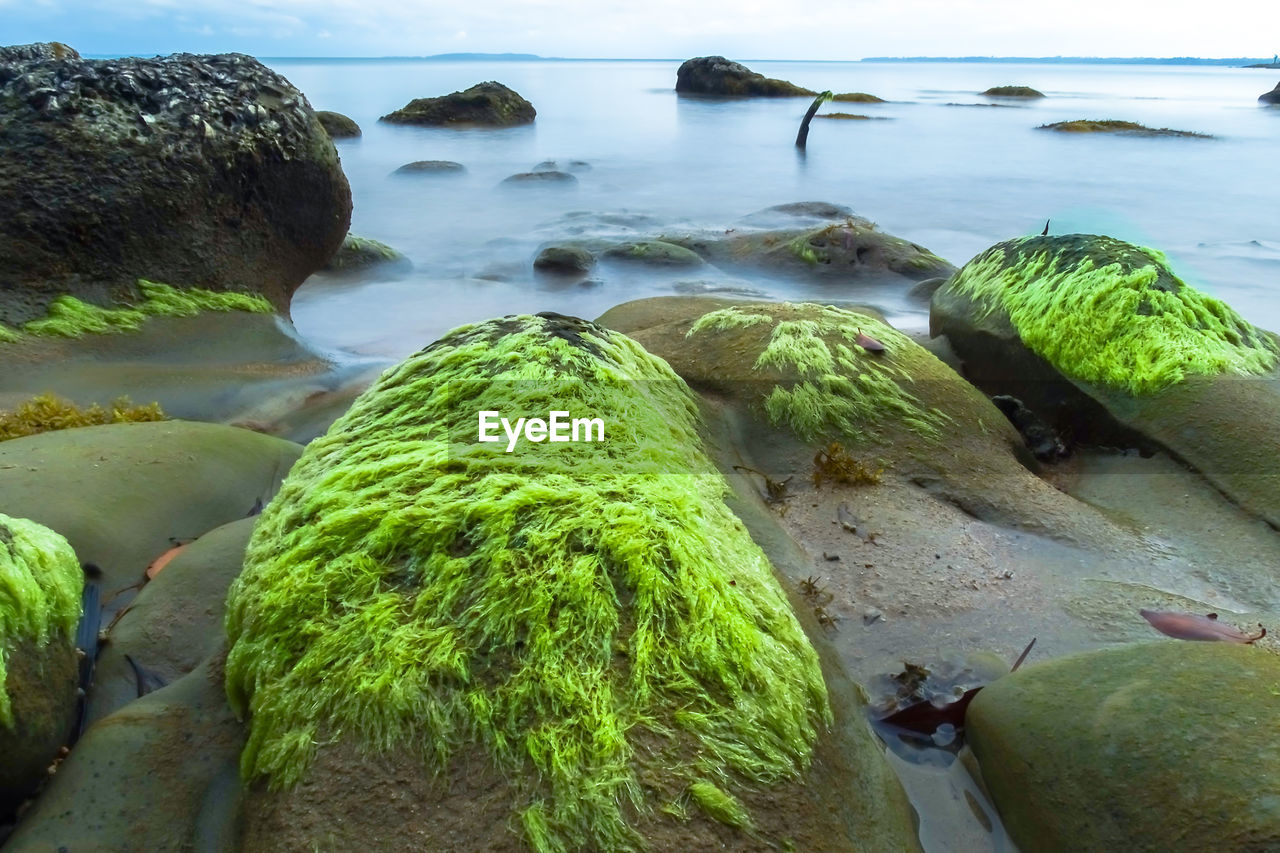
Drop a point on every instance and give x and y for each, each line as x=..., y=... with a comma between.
x=1123, y=128
x=1272, y=97
x=1102, y=339
x=654, y=253
x=337, y=125
x=361, y=254
x=1150, y=747
x=205, y=172
x=564, y=260
x=431, y=167
x=580, y=639
x=483, y=105
x=715, y=75
x=40, y=585
x=1013, y=92
x=857, y=98
x=543, y=178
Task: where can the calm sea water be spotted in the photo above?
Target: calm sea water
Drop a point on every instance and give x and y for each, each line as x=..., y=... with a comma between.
x=953, y=178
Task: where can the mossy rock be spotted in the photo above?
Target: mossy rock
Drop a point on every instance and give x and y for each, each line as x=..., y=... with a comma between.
x=849, y=117
x=796, y=380
x=654, y=253
x=362, y=254
x=160, y=774
x=540, y=179
x=853, y=251
x=487, y=104
x=1102, y=338
x=175, y=622
x=119, y=493
x=546, y=648
x=857, y=98
x=564, y=261
x=786, y=215
x=1144, y=748
x=1013, y=92
x=424, y=168
x=715, y=75
x=337, y=125
x=40, y=587
x=1122, y=128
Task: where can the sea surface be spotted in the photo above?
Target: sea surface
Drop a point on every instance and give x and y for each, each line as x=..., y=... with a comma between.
x=942, y=169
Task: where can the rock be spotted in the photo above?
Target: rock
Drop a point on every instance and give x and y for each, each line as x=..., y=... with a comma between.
x=564, y=260
x=361, y=254
x=855, y=250
x=1122, y=128
x=45, y=50
x=548, y=582
x=431, y=167
x=159, y=774
x=700, y=287
x=850, y=117
x=715, y=75
x=337, y=125
x=206, y=172
x=654, y=253
x=174, y=624
x=1136, y=748
x=571, y=166
x=857, y=98
x=1042, y=441
x=483, y=105
x=39, y=611
x=536, y=179
x=1272, y=97
x=1104, y=341
x=1013, y=92
x=786, y=215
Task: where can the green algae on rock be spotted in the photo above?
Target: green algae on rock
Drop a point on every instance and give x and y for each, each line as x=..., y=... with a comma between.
x=833, y=387
x=39, y=593
x=1105, y=311
x=1124, y=128
x=1013, y=92
x=590, y=616
x=358, y=254
x=1157, y=746
x=69, y=317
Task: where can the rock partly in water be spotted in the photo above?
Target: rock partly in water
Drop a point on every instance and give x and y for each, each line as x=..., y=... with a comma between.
x=202, y=171
x=570, y=166
x=362, y=254
x=1013, y=92
x=1272, y=97
x=40, y=585
x=1122, y=128
x=540, y=179
x=851, y=117
x=1104, y=340
x=582, y=641
x=786, y=215
x=564, y=261
x=431, y=167
x=715, y=75
x=654, y=253
x=337, y=125
x=1149, y=747
x=487, y=104
x=857, y=98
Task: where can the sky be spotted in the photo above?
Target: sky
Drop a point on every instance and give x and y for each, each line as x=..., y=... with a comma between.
x=658, y=29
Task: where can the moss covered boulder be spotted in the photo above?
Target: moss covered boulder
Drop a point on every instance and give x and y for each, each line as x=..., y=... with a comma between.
x=1151, y=747
x=431, y=168
x=1103, y=339
x=852, y=251
x=549, y=646
x=40, y=585
x=363, y=254
x=653, y=253
x=204, y=172
x=487, y=104
x=564, y=261
x=1013, y=92
x=337, y=125
x=715, y=75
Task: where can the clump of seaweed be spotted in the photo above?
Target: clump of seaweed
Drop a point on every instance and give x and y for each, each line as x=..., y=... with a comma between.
x=49, y=412
x=832, y=385
x=565, y=608
x=1105, y=311
x=40, y=586
x=834, y=464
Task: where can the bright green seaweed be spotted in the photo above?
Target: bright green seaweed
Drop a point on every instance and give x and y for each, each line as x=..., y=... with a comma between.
x=839, y=388
x=1104, y=311
x=68, y=317
x=40, y=586
x=592, y=615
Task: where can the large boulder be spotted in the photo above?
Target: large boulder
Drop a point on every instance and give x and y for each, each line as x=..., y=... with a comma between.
x=715, y=75
x=40, y=585
x=1272, y=97
x=1150, y=747
x=563, y=645
x=1103, y=340
x=206, y=172
x=483, y=105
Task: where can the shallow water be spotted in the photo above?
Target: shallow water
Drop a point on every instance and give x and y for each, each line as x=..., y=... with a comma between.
x=953, y=178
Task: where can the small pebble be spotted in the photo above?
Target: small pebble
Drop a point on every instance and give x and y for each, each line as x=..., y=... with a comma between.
x=871, y=615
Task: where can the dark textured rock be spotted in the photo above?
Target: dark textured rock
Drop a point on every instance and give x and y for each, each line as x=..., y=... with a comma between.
x=1013, y=92
x=198, y=171
x=564, y=260
x=484, y=104
x=544, y=178
x=337, y=125
x=715, y=75
x=654, y=253
x=1272, y=97
x=431, y=167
